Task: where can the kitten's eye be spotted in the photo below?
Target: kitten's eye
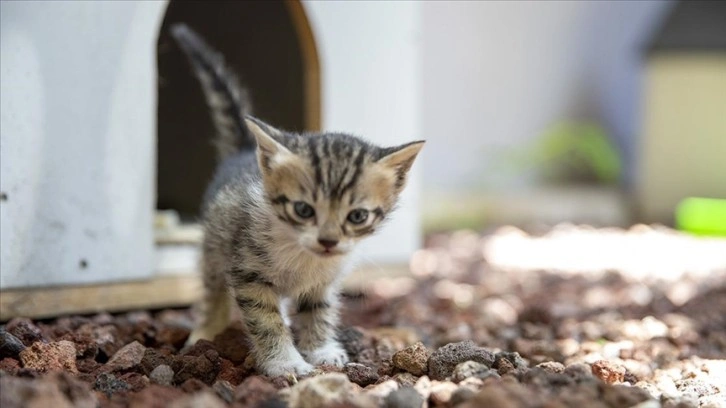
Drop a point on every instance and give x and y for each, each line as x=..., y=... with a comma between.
x=358, y=216
x=303, y=209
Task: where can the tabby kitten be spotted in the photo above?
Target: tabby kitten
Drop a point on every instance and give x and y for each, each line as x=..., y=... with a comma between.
x=280, y=216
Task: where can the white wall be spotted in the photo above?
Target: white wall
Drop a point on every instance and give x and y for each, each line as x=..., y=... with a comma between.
x=371, y=77
x=495, y=74
x=77, y=140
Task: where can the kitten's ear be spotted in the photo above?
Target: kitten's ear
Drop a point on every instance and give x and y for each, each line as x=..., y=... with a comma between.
x=399, y=159
x=270, y=152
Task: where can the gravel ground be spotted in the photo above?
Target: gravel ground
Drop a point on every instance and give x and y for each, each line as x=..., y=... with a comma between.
x=574, y=317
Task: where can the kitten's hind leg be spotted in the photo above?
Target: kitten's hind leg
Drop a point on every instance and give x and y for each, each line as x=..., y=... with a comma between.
x=316, y=321
x=215, y=306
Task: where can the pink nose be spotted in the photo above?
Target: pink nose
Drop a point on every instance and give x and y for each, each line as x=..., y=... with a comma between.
x=327, y=243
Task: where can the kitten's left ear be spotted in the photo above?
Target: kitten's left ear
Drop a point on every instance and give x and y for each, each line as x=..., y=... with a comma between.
x=399, y=159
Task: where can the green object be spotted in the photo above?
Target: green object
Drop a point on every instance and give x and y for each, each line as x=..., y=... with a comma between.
x=702, y=216
x=570, y=152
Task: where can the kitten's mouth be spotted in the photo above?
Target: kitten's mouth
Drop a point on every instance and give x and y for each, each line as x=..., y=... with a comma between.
x=328, y=252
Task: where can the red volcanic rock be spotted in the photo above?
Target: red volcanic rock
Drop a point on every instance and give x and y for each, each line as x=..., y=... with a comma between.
x=25, y=330
x=413, y=359
x=254, y=390
x=55, y=356
x=608, y=371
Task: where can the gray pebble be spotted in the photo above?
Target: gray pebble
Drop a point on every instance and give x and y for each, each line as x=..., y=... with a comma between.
x=404, y=397
x=162, y=375
x=443, y=361
x=10, y=346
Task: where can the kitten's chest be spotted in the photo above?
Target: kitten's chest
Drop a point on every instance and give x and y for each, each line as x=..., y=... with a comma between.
x=296, y=272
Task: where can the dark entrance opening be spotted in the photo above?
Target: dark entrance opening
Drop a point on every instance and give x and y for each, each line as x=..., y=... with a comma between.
x=269, y=45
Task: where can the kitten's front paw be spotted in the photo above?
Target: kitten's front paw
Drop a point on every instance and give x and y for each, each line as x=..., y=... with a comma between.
x=330, y=354
x=295, y=366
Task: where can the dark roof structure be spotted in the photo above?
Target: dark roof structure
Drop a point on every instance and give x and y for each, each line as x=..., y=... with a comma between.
x=692, y=25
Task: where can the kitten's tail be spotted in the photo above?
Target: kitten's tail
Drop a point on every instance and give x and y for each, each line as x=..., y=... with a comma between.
x=227, y=100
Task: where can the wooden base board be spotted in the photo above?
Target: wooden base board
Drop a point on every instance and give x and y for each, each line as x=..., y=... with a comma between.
x=166, y=291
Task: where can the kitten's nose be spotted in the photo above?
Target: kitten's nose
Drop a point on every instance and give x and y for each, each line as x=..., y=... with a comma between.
x=327, y=243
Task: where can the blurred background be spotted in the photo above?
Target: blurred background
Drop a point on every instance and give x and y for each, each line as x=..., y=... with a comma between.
x=601, y=113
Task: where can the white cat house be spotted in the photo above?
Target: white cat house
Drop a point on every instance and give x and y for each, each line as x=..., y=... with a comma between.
x=82, y=106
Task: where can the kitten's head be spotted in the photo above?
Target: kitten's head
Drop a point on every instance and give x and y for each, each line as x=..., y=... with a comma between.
x=332, y=189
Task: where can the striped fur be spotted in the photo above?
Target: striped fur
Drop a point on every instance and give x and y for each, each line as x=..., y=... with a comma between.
x=227, y=101
x=258, y=251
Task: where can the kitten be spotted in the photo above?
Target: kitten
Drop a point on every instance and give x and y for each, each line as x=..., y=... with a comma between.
x=280, y=216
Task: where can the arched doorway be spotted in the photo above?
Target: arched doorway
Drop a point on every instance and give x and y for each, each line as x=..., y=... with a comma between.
x=269, y=44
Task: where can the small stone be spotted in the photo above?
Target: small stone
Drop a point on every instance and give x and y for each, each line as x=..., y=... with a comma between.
x=109, y=384
x=624, y=396
x=155, y=396
x=648, y=404
x=405, y=379
x=513, y=357
x=536, y=314
x=543, y=379
x=254, y=390
x=382, y=389
x=461, y=395
x=106, y=339
x=385, y=348
x=58, y=389
x=10, y=346
x=198, y=348
x=423, y=387
x=282, y=382
x=136, y=381
x=24, y=329
x=9, y=365
x=443, y=361
x=204, y=367
x=649, y=388
x=193, y=385
x=224, y=391
x=228, y=372
x=206, y=399
x=152, y=359
x=102, y=319
x=162, y=375
x=413, y=359
x=472, y=369
x=385, y=368
x=83, y=339
x=405, y=397
x=695, y=388
x=324, y=390
x=552, y=367
x=328, y=368
x=356, y=342
x=503, y=394
x=476, y=384
x=361, y=374
x=232, y=344
x=441, y=392
x=171, y=335
x=504, y=366
x=55, y=356
x=128, y=357
x=608, y=372
x=579, y=372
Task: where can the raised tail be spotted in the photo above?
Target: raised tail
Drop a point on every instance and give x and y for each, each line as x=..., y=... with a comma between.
x=226, y=99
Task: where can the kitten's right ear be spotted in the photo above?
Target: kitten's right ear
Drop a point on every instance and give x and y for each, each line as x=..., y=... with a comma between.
x=270, y=152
